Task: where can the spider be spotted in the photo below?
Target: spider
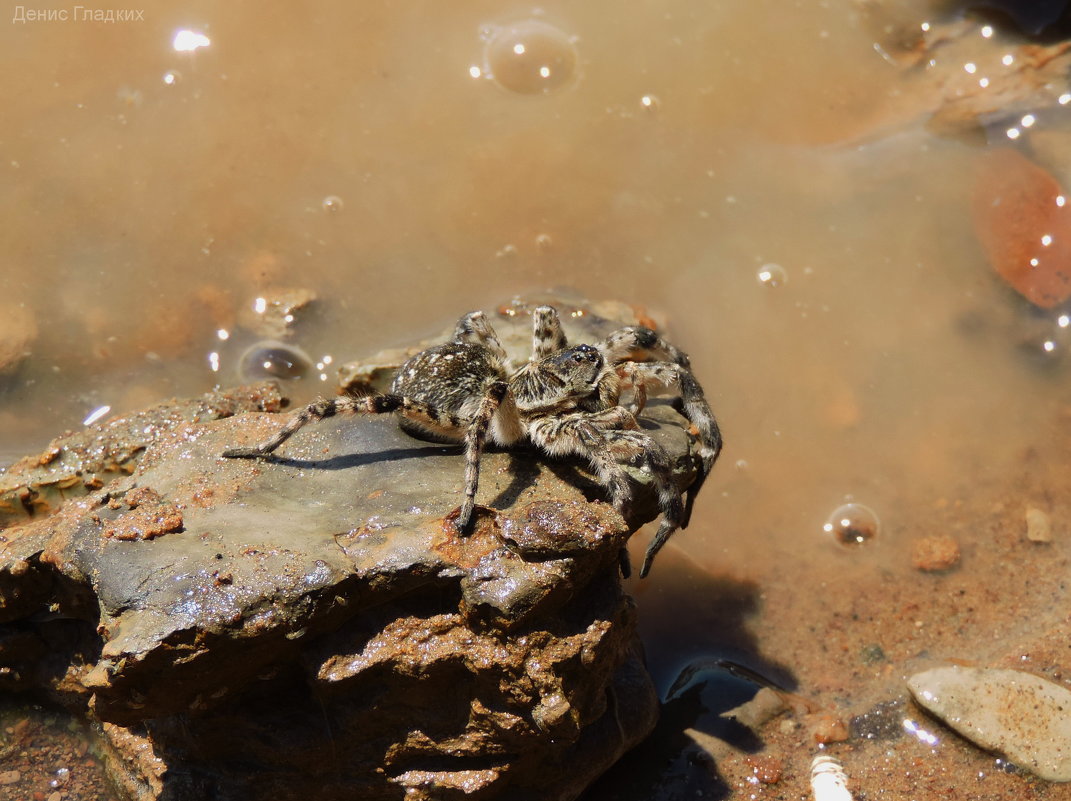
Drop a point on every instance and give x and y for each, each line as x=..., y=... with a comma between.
x=564, y=400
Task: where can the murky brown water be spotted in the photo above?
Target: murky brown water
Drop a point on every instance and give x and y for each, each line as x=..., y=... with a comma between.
x=360, y=151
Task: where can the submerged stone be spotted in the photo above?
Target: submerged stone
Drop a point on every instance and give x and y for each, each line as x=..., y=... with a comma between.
x=1022, y=716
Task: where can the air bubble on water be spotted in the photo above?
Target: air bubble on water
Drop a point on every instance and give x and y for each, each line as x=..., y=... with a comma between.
x=172, y=77
x=772, y=275
x=852, y=524
x=529, y=57
x=332, y=204
x=543, y=241
x=650, y=103
x=271, y=359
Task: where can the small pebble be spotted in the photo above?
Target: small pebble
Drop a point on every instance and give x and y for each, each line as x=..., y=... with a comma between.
x=767, y=769
x=1017, y=714
x=764, y=706
x=828, y=728
x=872, y=654
x=274, y=312
x=1038, y=525
x=935, y=552
x=10, y=777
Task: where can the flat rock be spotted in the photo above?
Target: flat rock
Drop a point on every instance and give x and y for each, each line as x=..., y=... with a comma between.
x=231, y=622
x=1022, y=716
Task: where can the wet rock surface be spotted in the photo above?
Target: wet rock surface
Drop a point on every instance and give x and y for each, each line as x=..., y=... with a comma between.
x=76, y=463
x=313, y=624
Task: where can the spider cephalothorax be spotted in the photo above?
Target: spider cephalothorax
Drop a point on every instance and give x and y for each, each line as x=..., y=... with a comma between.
x=564, y=400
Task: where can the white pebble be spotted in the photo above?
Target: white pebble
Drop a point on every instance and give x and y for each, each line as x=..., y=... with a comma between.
x=1017, y=714
x=829, y=782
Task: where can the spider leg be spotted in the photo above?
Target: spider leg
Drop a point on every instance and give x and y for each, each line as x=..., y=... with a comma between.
x=638, y=344
x=475, y=329
x=584, y=434
x=576, y=434
x=616, y=418
x=628, y=371
x=669, y=496
x=475, y=439
x=645, y=376
x=547, y=334
x=346, y=404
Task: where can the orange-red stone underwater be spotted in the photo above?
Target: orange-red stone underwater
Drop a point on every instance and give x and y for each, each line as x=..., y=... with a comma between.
x=1024, y=223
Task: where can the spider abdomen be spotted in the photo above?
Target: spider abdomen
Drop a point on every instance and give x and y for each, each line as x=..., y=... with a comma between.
x=451, y=380
x=449, y=376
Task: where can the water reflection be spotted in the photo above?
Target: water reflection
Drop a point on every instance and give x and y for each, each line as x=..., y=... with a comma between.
x=187, y=41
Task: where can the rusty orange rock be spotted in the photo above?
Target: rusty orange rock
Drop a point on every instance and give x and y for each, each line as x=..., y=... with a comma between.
x=1023, y=221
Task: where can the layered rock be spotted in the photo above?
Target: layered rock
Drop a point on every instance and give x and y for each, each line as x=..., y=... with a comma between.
x=315, y=625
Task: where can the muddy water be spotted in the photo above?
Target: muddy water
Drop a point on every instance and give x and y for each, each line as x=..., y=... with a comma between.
x=760, y=175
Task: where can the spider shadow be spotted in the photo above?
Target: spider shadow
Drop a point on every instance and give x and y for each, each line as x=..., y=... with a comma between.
x=524, y=463
x=524, y=467
x=349, y=461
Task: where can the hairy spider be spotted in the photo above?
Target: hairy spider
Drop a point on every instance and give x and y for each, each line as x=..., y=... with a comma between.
x=564, y=400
